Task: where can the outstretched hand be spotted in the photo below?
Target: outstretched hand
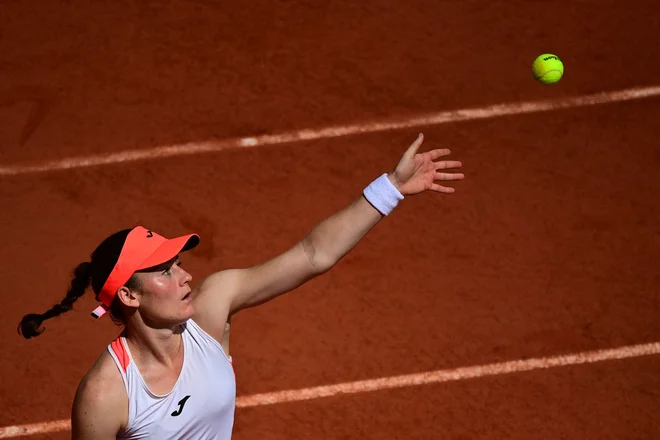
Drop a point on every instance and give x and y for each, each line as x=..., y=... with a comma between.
x=417, y=172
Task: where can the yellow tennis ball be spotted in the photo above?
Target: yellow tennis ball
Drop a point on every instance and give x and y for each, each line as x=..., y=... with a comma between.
x=548, y=68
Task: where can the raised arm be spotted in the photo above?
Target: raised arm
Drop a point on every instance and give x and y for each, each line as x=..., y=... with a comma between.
x=224, y=293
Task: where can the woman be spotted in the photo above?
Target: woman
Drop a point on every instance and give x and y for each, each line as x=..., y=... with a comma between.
x=169, y=375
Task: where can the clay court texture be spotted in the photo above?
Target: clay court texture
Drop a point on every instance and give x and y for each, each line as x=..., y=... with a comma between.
x=524, y=306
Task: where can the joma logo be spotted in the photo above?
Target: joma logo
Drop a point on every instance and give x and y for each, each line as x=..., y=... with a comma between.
x=182, y=403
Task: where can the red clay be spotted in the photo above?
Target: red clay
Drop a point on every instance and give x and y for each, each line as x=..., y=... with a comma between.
x=549, y=246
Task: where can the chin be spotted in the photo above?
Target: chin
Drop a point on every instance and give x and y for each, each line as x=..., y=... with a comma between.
x=181, y=317
x=188, y=313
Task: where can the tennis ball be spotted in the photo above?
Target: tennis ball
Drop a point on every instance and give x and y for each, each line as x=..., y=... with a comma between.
x=548, y=68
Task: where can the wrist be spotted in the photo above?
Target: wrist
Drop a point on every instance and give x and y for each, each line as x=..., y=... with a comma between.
x=395, y=182
x=383, y=194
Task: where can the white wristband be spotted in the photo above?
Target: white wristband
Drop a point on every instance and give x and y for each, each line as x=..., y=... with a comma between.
x=382, y=195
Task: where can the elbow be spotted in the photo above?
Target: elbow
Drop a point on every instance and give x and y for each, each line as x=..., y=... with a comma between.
x=322, y=264
x=319, y=262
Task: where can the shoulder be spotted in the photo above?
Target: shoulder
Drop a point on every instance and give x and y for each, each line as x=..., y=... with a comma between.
x=214, y=294
x=103, y=379
x=222, y=283
x=100, y=406
x=212, y=300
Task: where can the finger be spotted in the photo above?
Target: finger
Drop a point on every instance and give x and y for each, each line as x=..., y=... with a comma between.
x=442, y=189
x=414, y=147
x=447, y=164
x=438, y=153
x=449, y=176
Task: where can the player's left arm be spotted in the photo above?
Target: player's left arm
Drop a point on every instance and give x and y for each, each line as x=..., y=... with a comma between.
x=326, y=244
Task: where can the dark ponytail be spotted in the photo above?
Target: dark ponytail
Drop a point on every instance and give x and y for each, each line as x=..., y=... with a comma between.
x=96, y=272
x=82, y=277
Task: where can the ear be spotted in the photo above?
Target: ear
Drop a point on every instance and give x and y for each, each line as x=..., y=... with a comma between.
x=128, y=297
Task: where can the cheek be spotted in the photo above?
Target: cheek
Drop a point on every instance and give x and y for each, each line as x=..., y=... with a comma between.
x=159, y=290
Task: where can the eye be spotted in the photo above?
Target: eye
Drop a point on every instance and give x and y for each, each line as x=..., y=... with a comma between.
x=168, y=271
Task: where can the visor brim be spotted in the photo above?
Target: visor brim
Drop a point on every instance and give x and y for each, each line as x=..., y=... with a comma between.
x=170, y=249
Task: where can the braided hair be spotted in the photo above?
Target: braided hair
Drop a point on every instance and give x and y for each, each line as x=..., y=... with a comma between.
x=95, y=272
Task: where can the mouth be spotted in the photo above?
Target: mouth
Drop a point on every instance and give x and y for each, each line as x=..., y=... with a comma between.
x=187, y=297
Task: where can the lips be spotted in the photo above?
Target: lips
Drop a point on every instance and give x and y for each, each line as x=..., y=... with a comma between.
x=186, y=297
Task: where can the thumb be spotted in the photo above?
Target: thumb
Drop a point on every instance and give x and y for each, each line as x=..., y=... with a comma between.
x=414, y=147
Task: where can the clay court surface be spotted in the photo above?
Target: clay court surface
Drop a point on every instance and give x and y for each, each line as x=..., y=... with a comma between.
x=550, y=246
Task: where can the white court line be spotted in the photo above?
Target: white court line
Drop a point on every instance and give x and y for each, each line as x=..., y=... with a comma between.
x=444, y=117
x=408, y=380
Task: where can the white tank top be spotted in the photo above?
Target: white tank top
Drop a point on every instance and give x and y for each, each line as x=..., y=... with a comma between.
x=199, y=406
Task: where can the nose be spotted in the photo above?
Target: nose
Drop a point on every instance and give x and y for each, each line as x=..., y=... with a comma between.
x=185, y=277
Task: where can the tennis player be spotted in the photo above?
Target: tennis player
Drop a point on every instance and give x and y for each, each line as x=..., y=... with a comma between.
x=169, y=374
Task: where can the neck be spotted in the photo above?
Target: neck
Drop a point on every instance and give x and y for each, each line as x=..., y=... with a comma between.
x=161, y=345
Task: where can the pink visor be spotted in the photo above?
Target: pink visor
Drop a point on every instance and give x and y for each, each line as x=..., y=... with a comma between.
x=143, y=249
